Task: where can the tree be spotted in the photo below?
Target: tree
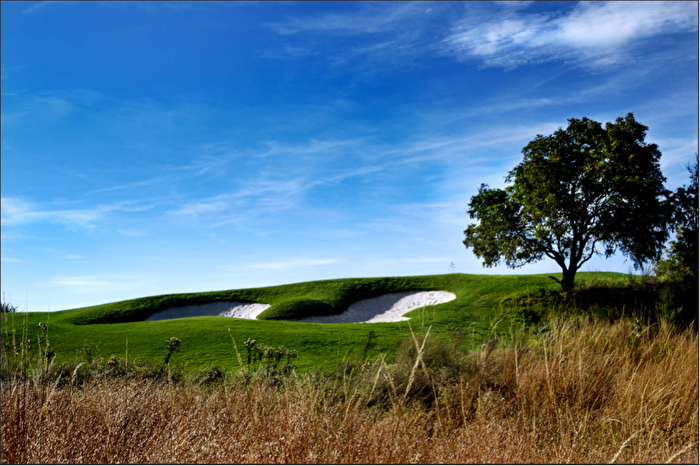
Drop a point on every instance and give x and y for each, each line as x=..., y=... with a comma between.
x=680, y=267
x=580, y=192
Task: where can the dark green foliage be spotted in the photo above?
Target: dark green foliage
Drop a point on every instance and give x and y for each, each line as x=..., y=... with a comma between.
x=298, y=307
x=531, y=306
x=639, y=298
x=8, y=307
x=680, y=266
x=636, y=298
x=580, y=192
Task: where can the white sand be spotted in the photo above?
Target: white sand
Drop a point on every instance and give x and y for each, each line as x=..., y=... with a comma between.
x=386, y=308
x=222, y=308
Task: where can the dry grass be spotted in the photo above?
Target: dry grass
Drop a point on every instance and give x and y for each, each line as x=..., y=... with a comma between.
x=583, y=391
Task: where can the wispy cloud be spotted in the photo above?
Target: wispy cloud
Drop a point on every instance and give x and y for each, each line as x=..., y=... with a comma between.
x=91, y=284
x=375, y=36
x=312, y=147
x=193, y=212
x=11, y=260
x=289, y=177
x=406, y=260
x=37, y=6
x=250, y=200
x=591, y=33
x=48, y=107
x=369, y=19
x=17, y=212
x=137, y=184
x=131, y=232
x=298, y=262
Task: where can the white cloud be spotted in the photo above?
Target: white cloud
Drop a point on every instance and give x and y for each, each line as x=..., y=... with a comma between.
x=591, y=33
x=502, y=34
x=614, y=24
x=18, y=212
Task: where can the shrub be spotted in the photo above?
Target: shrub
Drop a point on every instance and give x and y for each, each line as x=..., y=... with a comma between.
x=8, y=307
x=297, y=308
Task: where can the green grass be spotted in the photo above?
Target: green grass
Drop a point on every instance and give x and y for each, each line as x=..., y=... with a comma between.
x=118, y=328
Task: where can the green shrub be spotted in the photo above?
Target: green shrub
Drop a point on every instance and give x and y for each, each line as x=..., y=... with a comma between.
x=7, y=307
x=531, y=307
x=297, y=308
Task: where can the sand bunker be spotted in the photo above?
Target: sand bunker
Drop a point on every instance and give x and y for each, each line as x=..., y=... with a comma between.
x=224, y=309
x=386, y=308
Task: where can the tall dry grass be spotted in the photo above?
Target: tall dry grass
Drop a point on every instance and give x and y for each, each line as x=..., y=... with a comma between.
x=580, y=391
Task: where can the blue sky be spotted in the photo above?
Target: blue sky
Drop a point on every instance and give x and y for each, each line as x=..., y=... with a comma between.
x=153, y=148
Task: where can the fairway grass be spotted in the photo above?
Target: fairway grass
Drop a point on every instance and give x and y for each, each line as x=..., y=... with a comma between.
x=121, y=328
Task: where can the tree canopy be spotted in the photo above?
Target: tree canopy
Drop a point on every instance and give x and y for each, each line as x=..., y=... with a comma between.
x=680, y=266
x=582, y=191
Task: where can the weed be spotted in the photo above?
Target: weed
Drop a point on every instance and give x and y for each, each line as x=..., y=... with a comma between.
x=88, y=351
x=211, y=375
x=370, y=336
x=258, y=354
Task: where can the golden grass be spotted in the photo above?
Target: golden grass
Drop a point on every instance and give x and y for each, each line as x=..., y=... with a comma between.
x=578, y=392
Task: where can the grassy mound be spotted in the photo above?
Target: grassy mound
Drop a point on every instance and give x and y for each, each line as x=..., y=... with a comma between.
x=324, y=297
x=479, y=311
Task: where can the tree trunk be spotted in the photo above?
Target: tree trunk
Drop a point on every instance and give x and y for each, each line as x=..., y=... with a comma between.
x=567, y=279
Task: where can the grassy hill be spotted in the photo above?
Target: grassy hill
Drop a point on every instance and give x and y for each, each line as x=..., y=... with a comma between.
x=547, y=393
x=481, y=310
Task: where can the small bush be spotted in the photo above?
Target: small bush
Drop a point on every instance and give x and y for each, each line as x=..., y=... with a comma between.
x=7, y=307
x=211, y=375
x=298, y=308
x=531, y=307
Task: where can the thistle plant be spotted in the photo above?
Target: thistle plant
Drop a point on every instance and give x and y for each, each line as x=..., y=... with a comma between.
x=249, y=346
x=257, y=352
x=173, y=344
x=634, y=338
